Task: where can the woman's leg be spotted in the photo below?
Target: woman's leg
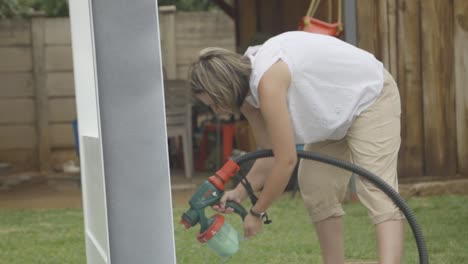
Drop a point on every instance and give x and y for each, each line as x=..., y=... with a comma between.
x=374, y=142
x=390, y=241
x=323, y=188
x=330, y=233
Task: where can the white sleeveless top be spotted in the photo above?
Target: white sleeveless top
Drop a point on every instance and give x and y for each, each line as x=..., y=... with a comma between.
x=331, y=82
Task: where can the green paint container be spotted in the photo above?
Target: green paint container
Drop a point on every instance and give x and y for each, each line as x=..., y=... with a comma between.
x=221, y=237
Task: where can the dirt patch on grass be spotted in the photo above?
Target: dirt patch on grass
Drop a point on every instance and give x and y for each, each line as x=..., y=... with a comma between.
x=4, y=231
x=434, y=188
x=42, y=194
x=45, y=194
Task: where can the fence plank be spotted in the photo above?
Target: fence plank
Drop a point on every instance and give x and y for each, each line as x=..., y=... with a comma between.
x=61, y=135
x=438, y=94
x=57, y=31
x=62, y=110
x=461, y=82
x=17, y=111
x=247, y=24
x=392, y=38
x=195, y=31
x=17, y=137
x=14, y=32
x=383, y=29
x=409, y=73
x=193, y=24
x=37, y=29
x=18, y=84
x=60, y=84
x=168, y=41
x=367, y=26
x=58, y=58
x=15, y=59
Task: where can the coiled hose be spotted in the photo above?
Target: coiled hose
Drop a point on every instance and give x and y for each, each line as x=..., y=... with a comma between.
x=396, y=198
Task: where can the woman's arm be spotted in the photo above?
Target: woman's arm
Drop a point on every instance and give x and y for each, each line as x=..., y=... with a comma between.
x=273, y=91
x=261, y=168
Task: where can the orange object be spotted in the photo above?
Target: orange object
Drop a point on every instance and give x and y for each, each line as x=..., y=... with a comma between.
x=212, y=229
x=224, y=174
x=314, y=25
x=227, y=134
x=310, y=24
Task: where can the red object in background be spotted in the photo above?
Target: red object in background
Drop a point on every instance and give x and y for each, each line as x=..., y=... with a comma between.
x=313, y=25
x=227, y=134
x=310, y=24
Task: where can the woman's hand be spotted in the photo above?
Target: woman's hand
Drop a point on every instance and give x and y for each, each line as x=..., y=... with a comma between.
x=252, y=226
x=237, y=195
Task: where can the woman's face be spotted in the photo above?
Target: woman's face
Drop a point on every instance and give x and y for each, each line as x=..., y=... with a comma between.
x=209, y=102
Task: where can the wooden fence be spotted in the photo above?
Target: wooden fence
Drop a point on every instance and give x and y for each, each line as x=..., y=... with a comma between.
x=424, y=44
x=37, y=96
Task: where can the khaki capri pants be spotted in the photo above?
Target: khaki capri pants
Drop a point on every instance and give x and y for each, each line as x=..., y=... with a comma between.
x=372, y=142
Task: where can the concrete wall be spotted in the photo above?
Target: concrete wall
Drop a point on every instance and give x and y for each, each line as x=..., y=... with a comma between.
x=37, y=101
x=17, y=105
x=196, y=31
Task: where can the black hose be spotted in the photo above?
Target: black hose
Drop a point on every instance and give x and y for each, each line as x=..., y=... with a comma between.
x=396, y=198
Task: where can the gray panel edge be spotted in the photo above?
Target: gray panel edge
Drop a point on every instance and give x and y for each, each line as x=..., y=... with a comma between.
x=132, y=123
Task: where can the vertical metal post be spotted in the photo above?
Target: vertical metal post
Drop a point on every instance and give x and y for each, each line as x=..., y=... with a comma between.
x=121, y=117
x=350, y=26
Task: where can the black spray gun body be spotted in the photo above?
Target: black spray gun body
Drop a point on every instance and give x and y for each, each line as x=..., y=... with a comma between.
x=218, y=234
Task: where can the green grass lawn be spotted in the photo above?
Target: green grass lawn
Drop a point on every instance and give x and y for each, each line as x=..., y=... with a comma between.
x=56, y=236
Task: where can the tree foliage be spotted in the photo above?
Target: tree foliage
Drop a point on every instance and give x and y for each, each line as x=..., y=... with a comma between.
x=53, y=7
x=24, y=8
x=189, y=5
x=11, y=8
x=59, y=8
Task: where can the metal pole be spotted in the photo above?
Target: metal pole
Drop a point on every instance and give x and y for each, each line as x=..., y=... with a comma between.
x=350, y=31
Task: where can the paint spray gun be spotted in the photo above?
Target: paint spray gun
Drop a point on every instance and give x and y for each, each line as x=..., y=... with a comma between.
x=215, y=231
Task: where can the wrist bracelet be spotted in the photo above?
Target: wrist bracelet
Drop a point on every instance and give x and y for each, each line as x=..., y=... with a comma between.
x=260, y=216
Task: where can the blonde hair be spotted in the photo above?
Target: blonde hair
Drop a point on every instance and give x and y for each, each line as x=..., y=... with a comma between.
x=224, y=75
